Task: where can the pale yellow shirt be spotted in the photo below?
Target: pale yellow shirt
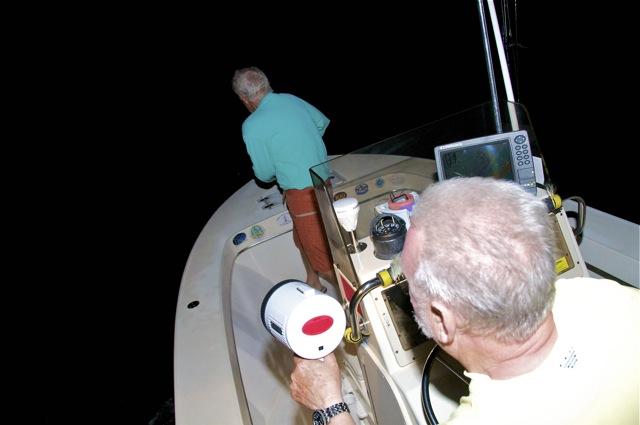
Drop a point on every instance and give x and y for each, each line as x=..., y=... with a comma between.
x=591, y=375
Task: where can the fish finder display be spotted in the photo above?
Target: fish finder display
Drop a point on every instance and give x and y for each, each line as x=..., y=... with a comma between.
x=490, y=160
x=504, y=156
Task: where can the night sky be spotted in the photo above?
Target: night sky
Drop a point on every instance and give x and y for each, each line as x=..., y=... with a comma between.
x=152, y=146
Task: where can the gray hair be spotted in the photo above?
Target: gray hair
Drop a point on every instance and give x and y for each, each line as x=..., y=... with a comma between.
x=487, y=249
x=250, y=83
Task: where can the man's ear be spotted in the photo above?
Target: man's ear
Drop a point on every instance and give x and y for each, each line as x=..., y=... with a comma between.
x=443, y=322
x=245, y=101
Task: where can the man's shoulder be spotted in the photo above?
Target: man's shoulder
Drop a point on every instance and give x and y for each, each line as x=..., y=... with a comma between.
x=290, y=98
x=589, y=294
x=275, y=102
x=593, y=285
x=287, y=96
x=254, y=125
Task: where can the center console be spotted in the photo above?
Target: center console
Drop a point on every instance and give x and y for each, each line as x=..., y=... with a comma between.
x=381, y=182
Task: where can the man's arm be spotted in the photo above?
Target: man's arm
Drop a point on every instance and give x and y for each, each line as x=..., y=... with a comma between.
x=321, y=121
x=263, y=167
x=316, y=384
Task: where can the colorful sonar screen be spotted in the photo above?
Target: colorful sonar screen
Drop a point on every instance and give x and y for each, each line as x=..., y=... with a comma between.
x=485, y=160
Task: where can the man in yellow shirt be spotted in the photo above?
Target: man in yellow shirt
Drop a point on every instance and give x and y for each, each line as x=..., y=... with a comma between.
x=479, y=259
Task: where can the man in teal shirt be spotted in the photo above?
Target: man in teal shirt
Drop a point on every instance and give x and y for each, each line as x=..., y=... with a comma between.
x=283, y=136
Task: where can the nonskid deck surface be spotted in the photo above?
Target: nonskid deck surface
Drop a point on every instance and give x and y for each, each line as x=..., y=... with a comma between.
x=265, y=364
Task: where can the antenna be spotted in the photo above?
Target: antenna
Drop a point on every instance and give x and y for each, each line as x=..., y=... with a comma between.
x=504, y=67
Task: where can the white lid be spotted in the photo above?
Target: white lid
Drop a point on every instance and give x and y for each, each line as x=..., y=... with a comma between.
x=345, y=204
x=347, y=212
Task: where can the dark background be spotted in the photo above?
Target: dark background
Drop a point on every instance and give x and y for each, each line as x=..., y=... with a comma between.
x=148, y=145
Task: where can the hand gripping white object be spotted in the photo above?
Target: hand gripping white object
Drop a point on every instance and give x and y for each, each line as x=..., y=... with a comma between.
x=305, y=320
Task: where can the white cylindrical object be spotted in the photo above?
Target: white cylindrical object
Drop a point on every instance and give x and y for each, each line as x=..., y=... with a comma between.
x=347, y=212
x=307, y=321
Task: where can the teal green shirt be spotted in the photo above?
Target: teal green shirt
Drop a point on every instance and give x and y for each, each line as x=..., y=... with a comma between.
x=284, y=139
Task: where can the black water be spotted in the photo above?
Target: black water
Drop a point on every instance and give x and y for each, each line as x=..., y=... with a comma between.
x=149, y=146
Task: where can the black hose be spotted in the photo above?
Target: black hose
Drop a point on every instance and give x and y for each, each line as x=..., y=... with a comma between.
x=429, y=414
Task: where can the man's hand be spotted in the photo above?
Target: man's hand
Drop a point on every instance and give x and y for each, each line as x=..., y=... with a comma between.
x=316, y=383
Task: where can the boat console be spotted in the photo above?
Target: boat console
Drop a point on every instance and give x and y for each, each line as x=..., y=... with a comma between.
x=384, y=180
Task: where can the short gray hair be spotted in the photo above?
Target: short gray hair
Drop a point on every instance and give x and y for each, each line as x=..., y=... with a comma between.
x=250, y=83
x=487, y=249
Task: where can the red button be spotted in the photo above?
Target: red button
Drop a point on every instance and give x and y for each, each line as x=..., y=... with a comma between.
x=317, y=325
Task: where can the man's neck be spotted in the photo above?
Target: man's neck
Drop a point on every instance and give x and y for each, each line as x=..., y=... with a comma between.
x=255, y=102
x=507, y=360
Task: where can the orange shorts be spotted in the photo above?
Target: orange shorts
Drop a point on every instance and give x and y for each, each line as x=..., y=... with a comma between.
x=308, y=230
